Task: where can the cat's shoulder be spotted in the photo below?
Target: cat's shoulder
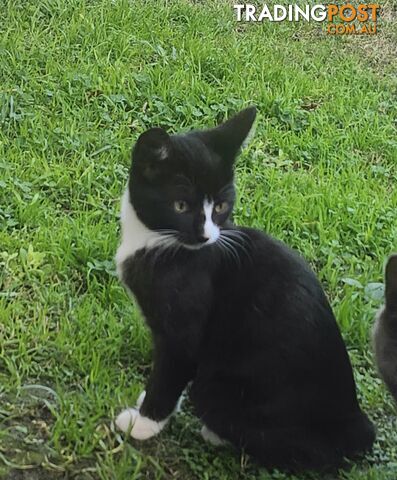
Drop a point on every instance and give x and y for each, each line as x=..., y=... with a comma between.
x=275, y=255
x=263, y=241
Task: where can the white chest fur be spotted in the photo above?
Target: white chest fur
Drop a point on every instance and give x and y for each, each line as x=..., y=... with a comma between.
x=134, y=234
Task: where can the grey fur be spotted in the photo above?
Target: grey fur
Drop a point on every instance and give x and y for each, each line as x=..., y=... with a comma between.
x=385, y=330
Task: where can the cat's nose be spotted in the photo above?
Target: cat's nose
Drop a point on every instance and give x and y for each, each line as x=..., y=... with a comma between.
x=202, y=239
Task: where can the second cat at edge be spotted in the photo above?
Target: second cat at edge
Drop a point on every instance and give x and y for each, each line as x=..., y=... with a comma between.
x=232, y=310
x=385, y=330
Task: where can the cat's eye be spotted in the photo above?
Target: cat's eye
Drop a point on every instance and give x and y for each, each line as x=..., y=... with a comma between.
x=180, y=206
x=221, y=207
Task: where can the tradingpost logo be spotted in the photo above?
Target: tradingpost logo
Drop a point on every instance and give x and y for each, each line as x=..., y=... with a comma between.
x=343, y=19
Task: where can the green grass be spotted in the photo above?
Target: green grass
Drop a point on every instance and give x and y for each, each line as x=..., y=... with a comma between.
x=79, y=81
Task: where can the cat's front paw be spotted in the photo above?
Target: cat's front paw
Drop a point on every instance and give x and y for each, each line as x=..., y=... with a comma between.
x=126, y=419
x=143, y=428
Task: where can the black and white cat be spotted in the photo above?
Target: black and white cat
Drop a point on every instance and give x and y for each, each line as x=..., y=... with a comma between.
x=385, y=330
x=232, y=310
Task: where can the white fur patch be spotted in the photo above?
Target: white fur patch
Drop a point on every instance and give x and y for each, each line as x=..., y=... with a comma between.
x=140, y=399
x=249, y=136
x=134, y=234
x=211, y=231
x=143, y=428
x=211, y=437
x=178, y=406
x=163, y=153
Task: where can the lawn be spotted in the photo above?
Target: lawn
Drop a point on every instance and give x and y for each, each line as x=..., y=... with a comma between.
x=79, y=81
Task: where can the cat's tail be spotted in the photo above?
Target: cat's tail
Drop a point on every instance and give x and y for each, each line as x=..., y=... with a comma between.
x=391, y=286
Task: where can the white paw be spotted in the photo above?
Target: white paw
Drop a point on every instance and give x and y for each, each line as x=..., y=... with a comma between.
x=211, y=437
x=143, y=428
x=126, y=419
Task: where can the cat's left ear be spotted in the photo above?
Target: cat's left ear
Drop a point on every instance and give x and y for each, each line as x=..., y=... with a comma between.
x=227, y=139
x=151, y=151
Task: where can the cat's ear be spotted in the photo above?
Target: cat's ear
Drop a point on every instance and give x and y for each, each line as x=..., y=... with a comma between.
x=391, y=283
x=151, y=150
x=229, y=137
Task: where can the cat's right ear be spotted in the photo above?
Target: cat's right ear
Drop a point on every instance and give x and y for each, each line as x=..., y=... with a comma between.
x=391, y=283
x=151, y=150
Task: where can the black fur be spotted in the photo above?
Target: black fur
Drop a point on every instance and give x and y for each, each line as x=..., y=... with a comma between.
x=250, y=324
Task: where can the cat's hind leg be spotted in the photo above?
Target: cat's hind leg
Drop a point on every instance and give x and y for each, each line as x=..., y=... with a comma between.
x=297, y=448
x=290, y=448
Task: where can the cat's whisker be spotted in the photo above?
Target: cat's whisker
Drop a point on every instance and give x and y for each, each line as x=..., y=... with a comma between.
x=164, y=231
x=228, y=248
x=163, y=246
x=237, y=245
x=220, y=244
x=235, y=253
x=239, y=236
x=237, y=241
x=174, y=251
x=240, y=244
x=237, y=233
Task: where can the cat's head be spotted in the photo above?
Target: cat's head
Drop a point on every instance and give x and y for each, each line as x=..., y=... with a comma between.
x=183, y=184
